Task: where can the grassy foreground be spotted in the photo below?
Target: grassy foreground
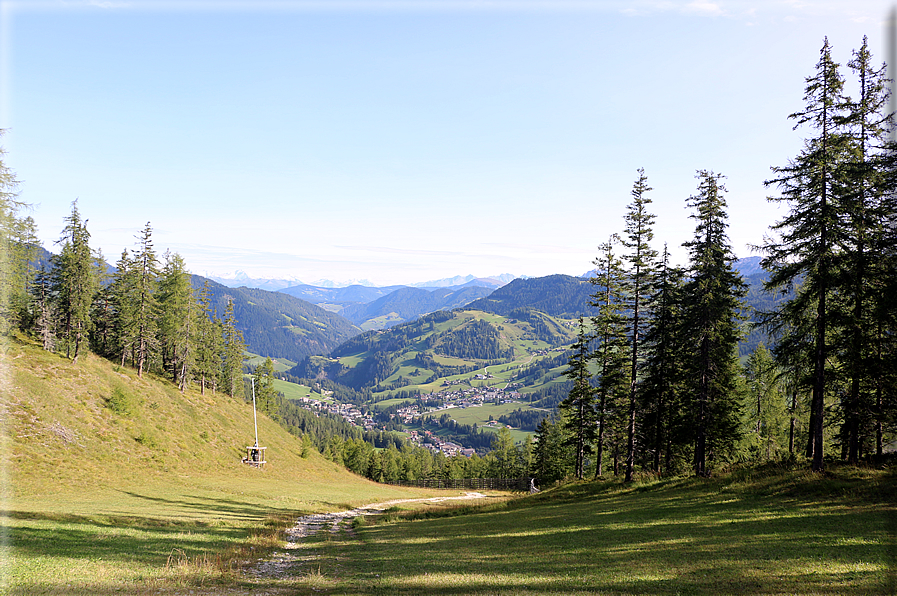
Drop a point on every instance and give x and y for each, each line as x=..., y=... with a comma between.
x=759, y=532
x=113, y=484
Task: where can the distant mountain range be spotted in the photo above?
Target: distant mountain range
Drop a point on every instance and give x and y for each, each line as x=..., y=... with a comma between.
x=241, y=279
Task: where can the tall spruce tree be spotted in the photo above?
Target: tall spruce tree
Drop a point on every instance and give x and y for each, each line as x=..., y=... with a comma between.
x=232, y=347
x=145, y=263
x=74, y=283
x=177, y=316
x=712, y=310
x=552, y=461
x=123, y=290
x=207, y=338
x=265, y=393
x=859, y=264
x=812, y=187
x=662, y=421
x=639, y=232
x=611, y=351
x=578, y=408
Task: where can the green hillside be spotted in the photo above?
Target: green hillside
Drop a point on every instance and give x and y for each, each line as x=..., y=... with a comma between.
x=278, y=325
x=438, y=348
x=558, y=295
x=109, y=478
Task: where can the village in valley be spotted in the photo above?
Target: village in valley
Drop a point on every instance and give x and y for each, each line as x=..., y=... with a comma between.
x=420, y=406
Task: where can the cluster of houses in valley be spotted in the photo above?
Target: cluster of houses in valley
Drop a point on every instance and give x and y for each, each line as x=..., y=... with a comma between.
x=434, y=443
x=427, y=404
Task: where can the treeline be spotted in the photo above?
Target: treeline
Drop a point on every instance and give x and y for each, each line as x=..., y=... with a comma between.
x=657, y=385
x=144, y=314
x=409, y=463
x=524, y=419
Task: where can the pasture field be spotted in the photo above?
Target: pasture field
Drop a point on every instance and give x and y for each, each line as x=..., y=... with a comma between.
x=116, y=484
x=765, y=531
x=479, y=415
x=280, y=364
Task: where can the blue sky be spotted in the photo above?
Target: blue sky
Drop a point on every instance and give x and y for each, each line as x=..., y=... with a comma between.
x=404, y=141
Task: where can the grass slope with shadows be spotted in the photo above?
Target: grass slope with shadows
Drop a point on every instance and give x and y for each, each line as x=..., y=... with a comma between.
x=117, y=484
x=754, y=532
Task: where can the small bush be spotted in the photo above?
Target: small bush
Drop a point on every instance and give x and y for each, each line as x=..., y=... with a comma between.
x=147, y=439
x=120, y=402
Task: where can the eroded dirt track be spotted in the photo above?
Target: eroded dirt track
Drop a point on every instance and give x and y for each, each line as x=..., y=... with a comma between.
x=287, y=562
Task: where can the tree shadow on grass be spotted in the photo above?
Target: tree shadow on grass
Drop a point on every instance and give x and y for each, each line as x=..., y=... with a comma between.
x=708, y=543
x=136, y=538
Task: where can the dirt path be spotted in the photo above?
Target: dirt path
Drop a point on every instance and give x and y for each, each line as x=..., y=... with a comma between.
x=282, y=563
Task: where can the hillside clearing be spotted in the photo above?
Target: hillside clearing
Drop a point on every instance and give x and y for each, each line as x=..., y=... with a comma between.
x=766, y=532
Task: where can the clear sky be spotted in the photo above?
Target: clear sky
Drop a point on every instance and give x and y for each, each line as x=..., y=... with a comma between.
x=404, y=141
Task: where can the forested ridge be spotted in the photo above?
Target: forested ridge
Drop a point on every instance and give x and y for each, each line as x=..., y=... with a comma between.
x=279, y=325
x=556, y=295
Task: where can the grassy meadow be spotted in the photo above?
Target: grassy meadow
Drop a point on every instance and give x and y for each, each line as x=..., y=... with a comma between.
x=119, y=484
x=115, y=484
x=766, y=531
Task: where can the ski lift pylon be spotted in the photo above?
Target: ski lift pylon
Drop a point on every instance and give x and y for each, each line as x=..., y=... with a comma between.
x=255, y=455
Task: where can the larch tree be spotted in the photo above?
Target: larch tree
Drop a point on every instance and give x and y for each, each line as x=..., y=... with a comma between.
x=641, y=260
x=766, y=403
x=17, y=249
x=803, y=248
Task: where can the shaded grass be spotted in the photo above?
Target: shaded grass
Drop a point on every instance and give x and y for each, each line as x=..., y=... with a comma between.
x=756, y=532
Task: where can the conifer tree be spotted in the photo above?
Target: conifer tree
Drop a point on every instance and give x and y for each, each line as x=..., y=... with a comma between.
x=641, y=258
x=551, y=458
x=123, y=291
x=664, y=364
x=265, y=393
x=766, y=403
x=74, y=283
x=145, y=264
x=207, y=338
x=804, y=249
x=712, y=310
x=17, y=248
x=611, y=352
x=859, y=264
x=177, y=308
x=578, y=410
x=44, y=317
x=103, y=312
x=232, y=347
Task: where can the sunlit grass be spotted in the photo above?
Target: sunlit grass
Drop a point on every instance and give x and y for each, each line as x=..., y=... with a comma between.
x=782, y=533
x=91, y=508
